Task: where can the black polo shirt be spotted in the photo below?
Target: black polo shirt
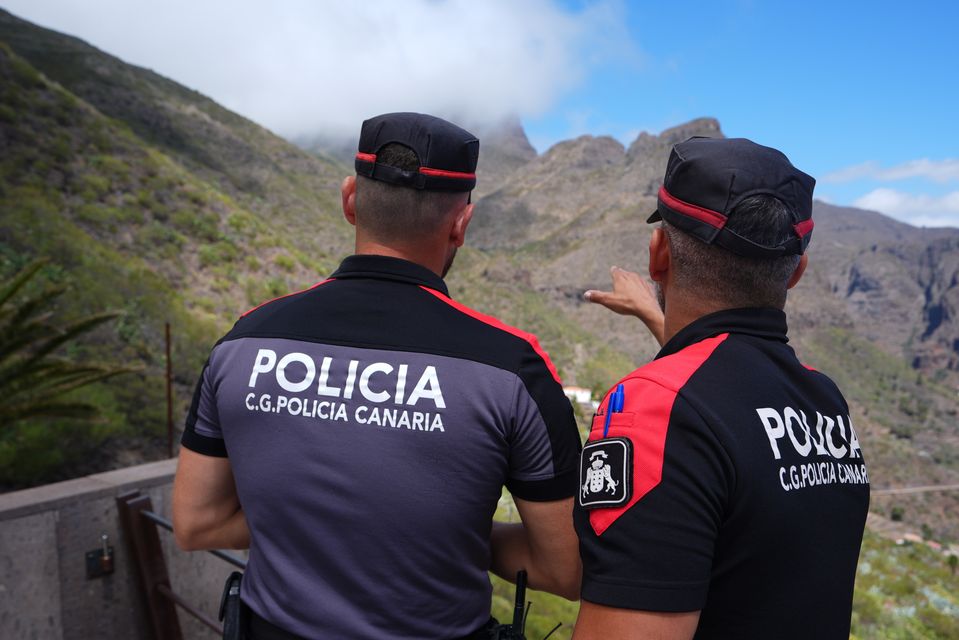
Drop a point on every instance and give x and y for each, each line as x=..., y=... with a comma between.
x=371, y=423
x=742, y=491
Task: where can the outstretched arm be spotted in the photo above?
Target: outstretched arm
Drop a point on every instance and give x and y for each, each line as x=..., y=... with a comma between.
x=545, y=545
x=632, y=295
x=206, y=509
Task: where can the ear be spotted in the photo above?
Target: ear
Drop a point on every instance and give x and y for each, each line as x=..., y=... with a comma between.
x=797, y=274
x=460, y=222
x=659, y=256
x=348, y=193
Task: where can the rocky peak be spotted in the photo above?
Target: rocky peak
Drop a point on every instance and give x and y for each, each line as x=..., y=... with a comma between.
x=505, y=138
x=504, y=149
x=586, y=152
x=648, y=144
x=699, y=127
x=648, y=153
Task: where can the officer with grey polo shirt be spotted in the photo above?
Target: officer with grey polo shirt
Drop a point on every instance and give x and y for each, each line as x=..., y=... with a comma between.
x=357, y=435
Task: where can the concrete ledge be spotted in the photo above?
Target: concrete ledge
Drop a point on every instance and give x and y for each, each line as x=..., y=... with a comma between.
x=48, y=497
x=45, y=534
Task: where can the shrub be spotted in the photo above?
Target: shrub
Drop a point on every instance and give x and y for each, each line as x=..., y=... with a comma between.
x=7, y=114
x=197, y=224
x=94, y=187
x=285, y=262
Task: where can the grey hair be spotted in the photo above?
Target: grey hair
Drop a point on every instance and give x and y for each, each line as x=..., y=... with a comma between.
x=734, y=281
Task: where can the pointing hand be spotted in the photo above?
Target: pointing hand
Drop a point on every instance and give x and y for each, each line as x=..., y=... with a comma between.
x=632, y=295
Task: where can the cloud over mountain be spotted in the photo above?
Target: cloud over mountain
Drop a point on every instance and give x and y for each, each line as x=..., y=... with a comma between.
x=940, y=171
x=922, y=210
x=302, y=67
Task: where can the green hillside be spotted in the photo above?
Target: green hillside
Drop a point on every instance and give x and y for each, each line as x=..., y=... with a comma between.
x=130, y=228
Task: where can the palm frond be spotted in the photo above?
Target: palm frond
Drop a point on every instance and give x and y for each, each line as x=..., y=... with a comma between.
x=33, y=378
x=12, y=286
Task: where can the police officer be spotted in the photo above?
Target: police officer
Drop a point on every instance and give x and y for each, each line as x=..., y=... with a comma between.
x=723, y=490
x=357, y=435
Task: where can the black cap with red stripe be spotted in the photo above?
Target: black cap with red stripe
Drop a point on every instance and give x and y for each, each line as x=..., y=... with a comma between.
x=706, y=178
x=447, y=153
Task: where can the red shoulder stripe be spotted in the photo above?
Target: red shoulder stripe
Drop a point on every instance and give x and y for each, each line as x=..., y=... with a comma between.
x=493, y=322
x=651, y=392
x=285, y=296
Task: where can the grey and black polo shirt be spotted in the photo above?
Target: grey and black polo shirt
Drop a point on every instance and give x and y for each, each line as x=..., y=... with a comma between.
x=371, y=422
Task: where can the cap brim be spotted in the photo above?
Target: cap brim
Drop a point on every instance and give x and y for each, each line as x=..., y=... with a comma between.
x=655, y=217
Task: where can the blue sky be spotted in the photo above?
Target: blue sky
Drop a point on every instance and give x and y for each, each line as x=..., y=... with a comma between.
x=862, y=95
x=872, y=85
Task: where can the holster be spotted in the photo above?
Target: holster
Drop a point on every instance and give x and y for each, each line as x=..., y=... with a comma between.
x=506, y=632
x=232, y=611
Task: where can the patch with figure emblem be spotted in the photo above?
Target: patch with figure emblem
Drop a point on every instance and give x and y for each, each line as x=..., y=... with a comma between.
x=606, y=473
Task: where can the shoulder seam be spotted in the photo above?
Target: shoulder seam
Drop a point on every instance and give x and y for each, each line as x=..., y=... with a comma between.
x=639, y=374
x=288, y=295
x=498, y=324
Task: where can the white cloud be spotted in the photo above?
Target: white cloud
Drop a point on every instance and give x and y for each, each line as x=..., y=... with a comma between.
x=917, y=209
x=302, y=66
x=941, y=171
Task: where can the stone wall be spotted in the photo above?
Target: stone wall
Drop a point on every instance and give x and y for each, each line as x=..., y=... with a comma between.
x=45, y=533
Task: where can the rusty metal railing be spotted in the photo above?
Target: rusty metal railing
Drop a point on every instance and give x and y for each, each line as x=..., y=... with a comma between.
x=140, y=524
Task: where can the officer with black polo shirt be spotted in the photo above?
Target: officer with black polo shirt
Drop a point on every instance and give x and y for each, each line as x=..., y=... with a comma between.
x=357, y=435
x=723, y=492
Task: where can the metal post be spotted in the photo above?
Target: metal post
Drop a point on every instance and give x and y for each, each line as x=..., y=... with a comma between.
x=169, y=395
x=144, y=542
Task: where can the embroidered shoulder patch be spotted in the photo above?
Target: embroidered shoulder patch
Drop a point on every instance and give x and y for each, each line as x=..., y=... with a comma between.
x=606, y=473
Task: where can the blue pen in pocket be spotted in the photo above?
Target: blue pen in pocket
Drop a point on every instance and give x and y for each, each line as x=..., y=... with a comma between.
x=606, y=464
x=615, y=405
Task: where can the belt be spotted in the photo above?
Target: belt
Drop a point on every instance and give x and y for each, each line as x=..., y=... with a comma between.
x=262, y=629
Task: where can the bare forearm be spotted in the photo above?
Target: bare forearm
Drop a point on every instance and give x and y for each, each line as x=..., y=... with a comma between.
x=231, y=532
x=206, y=509
x=557, y=573
x=509, y=550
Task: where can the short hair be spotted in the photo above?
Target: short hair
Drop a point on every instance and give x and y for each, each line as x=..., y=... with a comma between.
x=730, y=279
x=392, y=212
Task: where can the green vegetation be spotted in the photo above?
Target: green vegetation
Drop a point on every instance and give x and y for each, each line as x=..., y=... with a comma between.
x=904, y=592
x=50, y=399
x=141, y=230
x=33, y=380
